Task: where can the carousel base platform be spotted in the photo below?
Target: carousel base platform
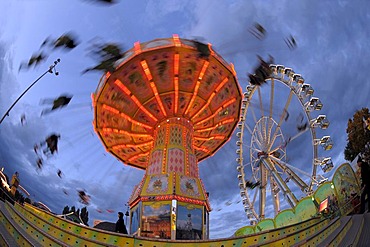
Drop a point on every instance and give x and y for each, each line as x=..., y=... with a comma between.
x=29, y=226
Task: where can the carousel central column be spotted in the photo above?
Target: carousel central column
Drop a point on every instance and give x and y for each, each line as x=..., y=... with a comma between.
x=173, y=150
x=171, y=191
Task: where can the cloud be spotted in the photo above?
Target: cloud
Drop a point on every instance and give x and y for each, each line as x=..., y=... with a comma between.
x=7, y=80
x=224, y=224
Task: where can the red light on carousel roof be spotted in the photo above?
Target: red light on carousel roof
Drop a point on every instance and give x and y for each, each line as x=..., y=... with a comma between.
x=223, y=82
x=176, y=40
x=209, y=138
x=229, y=103
x=115, y=111
x=137, y=47
x=201, y=74
x=202, y=149
x=217, y=111
x=138, y=156
x=195, y=92
x=229, y=120
x=132, y=145
x=176, y=64
x=176, y=81
x=122, y=87
x=158, y=99
x=133, y=97
x=145, y=67
x=108, y=130
x=111, y=109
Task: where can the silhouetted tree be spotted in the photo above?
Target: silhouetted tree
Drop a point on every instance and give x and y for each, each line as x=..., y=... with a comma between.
x=84, y=215
x=65, y=210
x=358, y=136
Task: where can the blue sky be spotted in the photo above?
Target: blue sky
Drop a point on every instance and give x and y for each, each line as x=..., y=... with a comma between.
x=332, y=55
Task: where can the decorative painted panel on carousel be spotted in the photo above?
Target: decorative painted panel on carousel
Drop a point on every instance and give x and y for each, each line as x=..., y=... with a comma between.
x=176, y=160
x=176, y=135
x=189, y=187
x=189, y=140
x=160, y=139
x=158, y=184
x=193, y=166
x=155, y=165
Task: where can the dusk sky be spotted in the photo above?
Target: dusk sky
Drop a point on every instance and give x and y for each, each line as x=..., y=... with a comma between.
x=332, y=54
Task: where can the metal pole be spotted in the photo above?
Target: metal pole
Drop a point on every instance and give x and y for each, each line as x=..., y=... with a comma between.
x=50, y=70
x=127, y=214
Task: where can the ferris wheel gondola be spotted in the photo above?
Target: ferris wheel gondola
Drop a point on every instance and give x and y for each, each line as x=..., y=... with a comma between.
x=265, y=171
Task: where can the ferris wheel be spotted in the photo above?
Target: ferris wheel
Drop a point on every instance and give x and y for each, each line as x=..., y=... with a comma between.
x=277, y=132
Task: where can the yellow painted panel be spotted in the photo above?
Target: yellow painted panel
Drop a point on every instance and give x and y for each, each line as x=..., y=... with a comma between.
x=189, y=187
x=159, y=184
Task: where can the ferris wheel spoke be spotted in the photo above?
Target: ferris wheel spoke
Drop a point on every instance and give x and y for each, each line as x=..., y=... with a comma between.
x=274, y=193
x=257, y=125
x=260, y=131
x=291, y=174
x=254, y=203
x=260, y=100
x=253, y=115
x=252, y=147
x=254, y=150
x=265, y=123
x=285, y=164
x=258, y=142
x=258, y=138
x=298, y=134
x=262, y=192
x=263, y=130
x=248, y=128
x=255, y=197
x=278, y=146
x=271, y=108
x=256, y=169
x=288, y=194
x=276, y=149
x=255, y=173
x=281, y=119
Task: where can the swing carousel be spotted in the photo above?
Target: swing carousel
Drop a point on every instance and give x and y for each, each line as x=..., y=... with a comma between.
x=169, y=104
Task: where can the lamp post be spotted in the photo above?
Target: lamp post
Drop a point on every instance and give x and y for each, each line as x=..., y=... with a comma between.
x=50, y=70
x=126, y=215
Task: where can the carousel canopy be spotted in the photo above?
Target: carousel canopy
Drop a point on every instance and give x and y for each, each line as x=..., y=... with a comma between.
x=160, y=80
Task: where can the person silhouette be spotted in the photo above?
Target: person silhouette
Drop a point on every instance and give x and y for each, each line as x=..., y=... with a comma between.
x=120, y=224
